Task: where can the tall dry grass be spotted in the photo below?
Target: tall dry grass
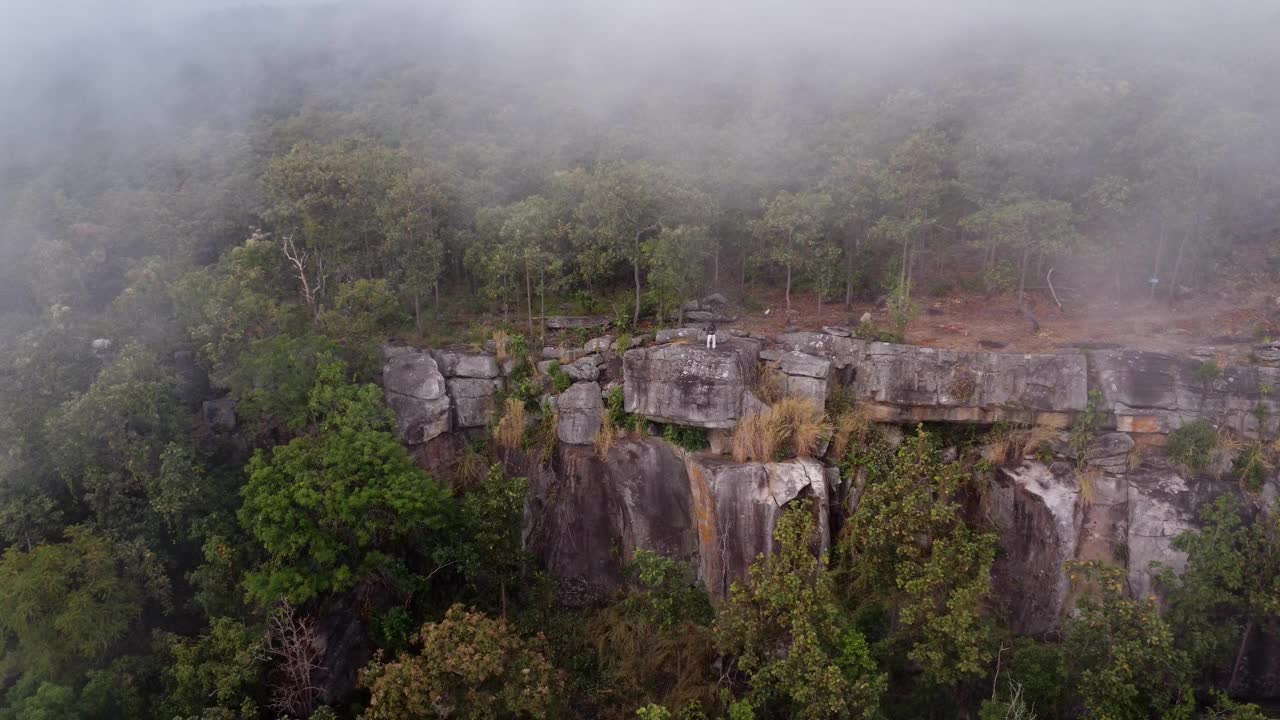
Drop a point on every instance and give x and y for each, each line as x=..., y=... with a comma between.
x=853, y=425
x=501, y=340
x=510, y=429
x=771, y=384
x=606, y=436
x=791, y=427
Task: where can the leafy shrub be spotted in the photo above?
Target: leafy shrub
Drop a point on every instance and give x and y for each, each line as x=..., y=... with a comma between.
x=689, y=438
x=559, y=378
x=1252, y=465
x=363, y=308
x=1208, y=371
x=470, y=667
x=1191, y=444
x=1086, y=424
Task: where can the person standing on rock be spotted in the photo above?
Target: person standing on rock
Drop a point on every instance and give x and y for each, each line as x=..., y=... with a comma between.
x=711, y=337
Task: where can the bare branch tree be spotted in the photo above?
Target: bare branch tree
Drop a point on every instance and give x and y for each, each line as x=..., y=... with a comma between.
x=293, y=641
x=309, y=267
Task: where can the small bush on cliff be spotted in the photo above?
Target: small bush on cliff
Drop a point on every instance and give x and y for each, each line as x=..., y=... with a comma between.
x=689, y=438
x=655, y=642
x=471, y=667
x=909, y=549
x=1191, y=444
x=1121, y=653
x=792, y=643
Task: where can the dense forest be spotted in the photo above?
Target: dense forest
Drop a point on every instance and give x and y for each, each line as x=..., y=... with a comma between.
x=246, y=202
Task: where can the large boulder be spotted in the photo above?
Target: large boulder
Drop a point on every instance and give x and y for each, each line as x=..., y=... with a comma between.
x=737, y=506
x=586, y=517
x=842, y=351
x=689, y=384
x=581, y=413
x=586, y=369
x=1038, y=516
x=457, y=363
x=806, y=375
x=415, y=389
x=902, y=383
x=473, y=400
x=1156, y=393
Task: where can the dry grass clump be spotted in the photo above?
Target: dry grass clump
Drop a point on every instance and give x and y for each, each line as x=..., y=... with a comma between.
x=771, y=385
x=1037, y=436
x=793, y=425
x=501, y=339
x=470, y=469
x=606, y=436
x=1089, y=484
x=510, y=429
x=1011, y=445
x=852, y=425
x=754, y=439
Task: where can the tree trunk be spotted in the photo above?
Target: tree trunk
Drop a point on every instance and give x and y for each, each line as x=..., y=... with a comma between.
x=1238, y=665
x=1155, y=270
x=435, y=286
x=788, y=292
x=848, y=280
x=528, y=293
x=715, y=268
x=417, y=312
x=635, y=268
x=1177, y=267
x=1022, y=277
x=542, y=298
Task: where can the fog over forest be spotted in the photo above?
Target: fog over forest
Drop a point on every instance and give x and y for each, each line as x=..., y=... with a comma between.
x=215, y=214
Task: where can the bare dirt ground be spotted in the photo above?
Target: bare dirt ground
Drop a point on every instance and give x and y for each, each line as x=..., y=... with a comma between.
x=1226, y=323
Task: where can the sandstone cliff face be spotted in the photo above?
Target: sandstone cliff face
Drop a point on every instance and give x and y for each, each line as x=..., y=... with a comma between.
x=586, y=515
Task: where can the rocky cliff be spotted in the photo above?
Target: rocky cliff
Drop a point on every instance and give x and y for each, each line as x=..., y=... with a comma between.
x=590, y=507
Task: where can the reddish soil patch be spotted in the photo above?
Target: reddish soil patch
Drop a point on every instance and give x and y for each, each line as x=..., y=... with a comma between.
x=1227, y=322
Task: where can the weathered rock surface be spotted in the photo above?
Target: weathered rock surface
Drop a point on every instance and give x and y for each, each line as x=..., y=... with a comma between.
x=581, y=412
x=600, y=344
x=736, y=507
x=667, y=335
x=807, y=375
x=586, y=369
x=586, y=517
x=912, y=384
x=687, y=384
x=473, y=401
x=415, y=389
x=842, y=351
x=456, y=363
x=1162, y=505
x=1039, y=518
x=1156, y=393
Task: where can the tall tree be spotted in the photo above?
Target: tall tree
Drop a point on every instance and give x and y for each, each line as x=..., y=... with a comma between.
x=675, y=257
x=619, y=205
x=790, y=230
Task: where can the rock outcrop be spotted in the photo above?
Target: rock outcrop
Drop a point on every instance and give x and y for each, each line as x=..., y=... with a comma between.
x=1156, y=393
x=580, y=410
x=1038, y=515
x=585, y=516
x=688, y=384
x=415, y=389
x=737, y=505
